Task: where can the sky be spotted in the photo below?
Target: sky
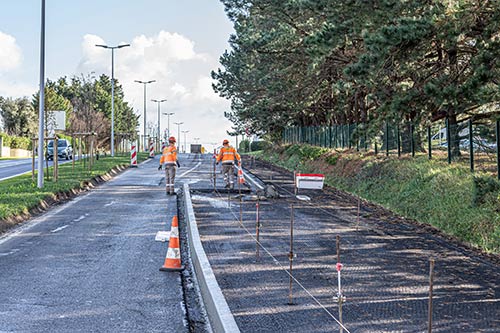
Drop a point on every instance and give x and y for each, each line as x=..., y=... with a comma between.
x=175, y=42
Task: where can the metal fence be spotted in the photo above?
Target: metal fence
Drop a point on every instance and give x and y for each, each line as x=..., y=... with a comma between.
x=441, y=140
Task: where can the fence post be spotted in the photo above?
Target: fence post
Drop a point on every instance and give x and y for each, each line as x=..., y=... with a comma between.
x=349, y=141
x=386, y=138
x=330, y=135
x=399, y=141
x=448, y=139
x=429, y=143
x=497, y=131
x=471, y=147
x=412, y=140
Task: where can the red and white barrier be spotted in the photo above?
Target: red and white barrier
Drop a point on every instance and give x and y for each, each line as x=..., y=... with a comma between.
x=133, y=156
x=313, y=181
x=151, y=149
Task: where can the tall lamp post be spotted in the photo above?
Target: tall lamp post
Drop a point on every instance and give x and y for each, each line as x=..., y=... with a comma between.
x=145, y=83
x=112, y=48
x=184, y=150
x=41, y=104
x=168, y=114
x=179, y=130
x=158, y=134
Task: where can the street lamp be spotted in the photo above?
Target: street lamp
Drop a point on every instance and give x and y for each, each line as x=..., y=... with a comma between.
x=145, y=83
x=41, y=103
x=112, y=48
x=168, y=114
x=158, y=134
x=184, y=150
x=179, y=130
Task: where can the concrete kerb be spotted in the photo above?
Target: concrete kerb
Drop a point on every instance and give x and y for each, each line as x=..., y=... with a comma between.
x=220, y=316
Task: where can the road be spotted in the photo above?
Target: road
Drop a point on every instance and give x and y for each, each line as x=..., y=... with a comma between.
x=16, y=167
x=92, y=265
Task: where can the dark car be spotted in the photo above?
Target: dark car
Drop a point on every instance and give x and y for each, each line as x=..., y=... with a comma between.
x=64, y=149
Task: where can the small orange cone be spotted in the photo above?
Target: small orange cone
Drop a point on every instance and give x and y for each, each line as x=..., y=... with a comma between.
x=241, y=179
x=173, y=258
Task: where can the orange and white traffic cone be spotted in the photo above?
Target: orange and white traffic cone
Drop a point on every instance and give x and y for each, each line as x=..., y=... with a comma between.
x=241, y=178
x=173, y=258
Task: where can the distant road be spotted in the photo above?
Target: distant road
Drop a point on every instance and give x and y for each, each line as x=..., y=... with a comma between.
x=13, y=168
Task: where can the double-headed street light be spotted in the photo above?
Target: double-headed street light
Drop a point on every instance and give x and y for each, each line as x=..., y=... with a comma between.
x=179, y=131
x=112, y=48
x=159, y=131
x=145, y=83
x=168, y=114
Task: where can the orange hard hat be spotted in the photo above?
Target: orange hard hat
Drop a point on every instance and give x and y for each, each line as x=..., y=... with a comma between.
x=171, y=139
x=225, y=142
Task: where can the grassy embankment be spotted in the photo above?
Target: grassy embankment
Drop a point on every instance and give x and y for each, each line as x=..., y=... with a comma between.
x=20, y=194
x=451, y=198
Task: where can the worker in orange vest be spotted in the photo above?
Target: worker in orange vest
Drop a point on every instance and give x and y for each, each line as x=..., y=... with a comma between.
x=227, y=155
x=169, y=159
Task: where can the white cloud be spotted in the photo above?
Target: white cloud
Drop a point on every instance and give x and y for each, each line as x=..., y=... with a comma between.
x=10, y=53
x=182, y=76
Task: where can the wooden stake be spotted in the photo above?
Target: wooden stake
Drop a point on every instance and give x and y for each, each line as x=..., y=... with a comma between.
x=431, y=286
x=290, y=258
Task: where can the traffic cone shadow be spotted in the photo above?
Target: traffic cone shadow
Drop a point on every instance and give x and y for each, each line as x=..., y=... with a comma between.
x=173, y=259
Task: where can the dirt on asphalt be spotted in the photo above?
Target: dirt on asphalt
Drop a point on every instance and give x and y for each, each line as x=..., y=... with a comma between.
x=385, y=277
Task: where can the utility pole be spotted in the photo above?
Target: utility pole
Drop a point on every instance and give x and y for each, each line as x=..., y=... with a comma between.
x=112, y=48
x=185, y=143
x=158, y=134
x=168, y=122
x=41, y=104
x=179, y=131
x=145, y=83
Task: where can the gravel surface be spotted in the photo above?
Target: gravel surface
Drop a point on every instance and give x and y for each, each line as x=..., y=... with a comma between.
x=386, y=265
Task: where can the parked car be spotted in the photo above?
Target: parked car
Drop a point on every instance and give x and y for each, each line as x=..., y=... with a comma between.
x=479, y=144
x=64, y=149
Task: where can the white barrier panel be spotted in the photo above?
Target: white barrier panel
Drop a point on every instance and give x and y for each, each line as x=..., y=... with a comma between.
x=312, y=181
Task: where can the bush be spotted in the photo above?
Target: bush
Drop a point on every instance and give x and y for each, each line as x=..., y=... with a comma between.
x=259, y=145
x=244, y=145
x=20, y=143
x=6, y=139
x=486, y=189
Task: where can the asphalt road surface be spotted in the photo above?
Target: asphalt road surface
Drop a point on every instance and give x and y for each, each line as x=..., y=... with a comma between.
x=16, y=167
x=386, y=265
x=92, y=265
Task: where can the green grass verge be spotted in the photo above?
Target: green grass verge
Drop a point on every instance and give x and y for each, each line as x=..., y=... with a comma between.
x=451, y=198
x=20, y=194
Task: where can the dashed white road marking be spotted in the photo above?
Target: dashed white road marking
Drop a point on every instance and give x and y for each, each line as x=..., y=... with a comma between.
x=196, y=166
x=60, y=228
x=80, y=218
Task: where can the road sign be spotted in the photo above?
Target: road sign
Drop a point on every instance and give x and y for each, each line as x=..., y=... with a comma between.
x=313, y=181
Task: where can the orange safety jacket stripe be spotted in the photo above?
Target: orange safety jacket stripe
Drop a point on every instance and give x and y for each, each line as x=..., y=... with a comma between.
x=169, y=155
x=227, y=155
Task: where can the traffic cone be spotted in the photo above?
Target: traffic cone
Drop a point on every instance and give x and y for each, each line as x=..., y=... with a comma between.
x=241, y=179
x=173, y=258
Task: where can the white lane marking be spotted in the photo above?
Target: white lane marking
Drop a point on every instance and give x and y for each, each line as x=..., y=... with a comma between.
x=80, y=218
x=60, y=228
x=5, y=164
x=43, y=218
x=185, y=173
x=19, y=174
x=109, y=204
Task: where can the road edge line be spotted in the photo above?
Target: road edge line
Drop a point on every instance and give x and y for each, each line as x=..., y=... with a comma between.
x=219, y=314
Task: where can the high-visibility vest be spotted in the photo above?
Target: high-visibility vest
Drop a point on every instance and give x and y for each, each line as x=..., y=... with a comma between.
x=169, y=155
x=227, y=155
